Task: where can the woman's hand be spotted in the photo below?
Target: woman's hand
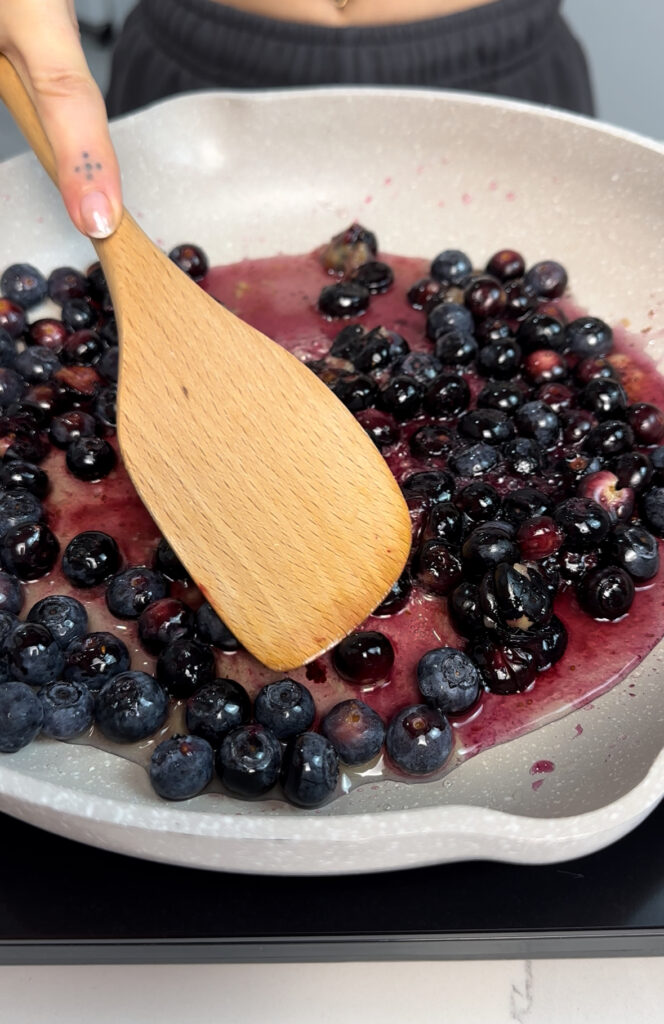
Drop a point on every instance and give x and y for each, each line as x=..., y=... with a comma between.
x=40, y=38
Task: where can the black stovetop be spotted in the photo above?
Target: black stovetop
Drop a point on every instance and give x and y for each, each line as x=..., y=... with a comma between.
x=64, y=902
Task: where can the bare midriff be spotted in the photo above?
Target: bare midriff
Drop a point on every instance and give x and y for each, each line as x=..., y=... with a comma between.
x=346, y=13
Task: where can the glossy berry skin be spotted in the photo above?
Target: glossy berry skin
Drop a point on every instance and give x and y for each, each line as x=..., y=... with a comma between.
x=540, y=331
x=94, y=658
x=607, y=593
x=652, y=509
x=90, y=558
x=456, y=348
x=19, y=475
x=82, y=348
x=181, y=767
x=425, y=293
x=286, y=707
x=212, y=630
x=506, y=264
x=163, y=621
x=523, y=455
x=132, y=590
x=12, y=318
x=486, y=546
x=490, y=425
x=69, y=709
x=634, y=549
x=451, y=267
x=78, y=314
x=24, y=284
x=504, y=395
x=465, y=610
x=525, y=503
x=69, y=426
x=355, y=731
x=446, y=396
x=478, y=501
x=419, y=739
x=130, y=707
x=445, y=522
x=12, y=386
x=515, y=597
x=167, y=563
x=63, y=616
x=584, y=522
x=217, y=707
x=349, y=249
x=66, y=283
x=29, y=551
x=546, y=643
x=436, y=485
x=605, y=398
x=473, y=459
x=249, y=761
x=11, y=594
x=310, y=770
x=191, y=259
x=484, y=297
x=356, y=390
x=402, y=397
x=365, y=658
x=21, y=716
x=347, y=298
x=506, y=667
x=423, y=367
x=33, y=656
x=609, y=438
x=647, y=422
x=185, y=665
x=448, y=680
x=90, y=458
x=397, y=597
x=447, y=316
x=375, y=275
x=588, y=336
x=545, y=366
x=439, y=570
x=380, y=427
x=537, y=421
x=521, y=299
x=548, y=278
x=633, y=469
x=539, y=538
x=499, y=360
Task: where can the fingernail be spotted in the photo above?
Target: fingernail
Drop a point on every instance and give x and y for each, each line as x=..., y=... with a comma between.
x=97, y=215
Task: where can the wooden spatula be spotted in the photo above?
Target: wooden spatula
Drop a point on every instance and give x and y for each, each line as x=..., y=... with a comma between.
x=272, y=495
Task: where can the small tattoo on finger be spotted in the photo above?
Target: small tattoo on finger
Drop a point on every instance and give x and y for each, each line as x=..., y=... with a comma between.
x=88, y=167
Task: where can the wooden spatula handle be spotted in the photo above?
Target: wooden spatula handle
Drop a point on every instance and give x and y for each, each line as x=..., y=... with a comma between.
x=22, y=109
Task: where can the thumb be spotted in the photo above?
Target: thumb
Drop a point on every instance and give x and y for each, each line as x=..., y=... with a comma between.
x=71, y=108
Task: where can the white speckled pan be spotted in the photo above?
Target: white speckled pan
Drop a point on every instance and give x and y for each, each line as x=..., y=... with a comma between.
x=253, y=175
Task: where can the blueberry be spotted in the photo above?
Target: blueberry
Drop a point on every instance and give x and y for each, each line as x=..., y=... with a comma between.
x=379, y=427
x=465, y=610
x=652, y=508
x=548, y=278
x=348, y=342
x=163, y=621
x=130, y=707
x=286, y=707
x=490, y=425
x=451, y=267
x=108, y=364
x=347, y=298
x=24, y=284
x=82, y=348
x=63, y=616
x=547, y=643
x=11, y=594
x=445, y=522
x=484, y=296
x=605, y=398
x=523, y=455
x=66, y=283
x=132, y=590
x=657, y=462
x=374, y=275
x=538, y=421
x=589, y=336
x=436, y=485
x=168, y=563
x=181, y=767
x=488, y=545
x=185, y=665
x=356, y=390
x=90, y=458
x=515, y=596
x=33, y=656
x=584, y=521
x=397, y=597
x=17, y=508
x=456, y=348
x=191, y=259
x=217, y=707
x=21, y=716
x=19, y=475
x=448, y=680
x=90, y=558
x=12, y=317
x=69, y=709
x=8, y=622
x=423, y=367
x=355, y=731
x=506, y=264
x=606, y=593
x=647, y=422
x=78, y=314
x=12, y=386
x=365, y=657
x=525, y=503
x=375, y=354
x=249, y=761
x=609, y=438
x=37, y=364
x=473, y=460
x=402, y=397
x=213, y=631
x=94, y=658
x=506, y=667
x=479, y=502
x=633, y=469
x=29, y=551
x=69, y=426
x=448, y=316
x=96, y=281
x=504, y=395
x=419, y=739
x=310, y=770
x=446, y=396
x=500, y=359
x=432, y=442
x=439, y=569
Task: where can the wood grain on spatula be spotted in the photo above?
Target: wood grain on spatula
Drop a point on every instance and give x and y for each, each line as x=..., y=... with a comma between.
x=269, y=491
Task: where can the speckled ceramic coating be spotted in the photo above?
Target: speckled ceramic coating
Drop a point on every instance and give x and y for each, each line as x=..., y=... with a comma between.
x=254, y=175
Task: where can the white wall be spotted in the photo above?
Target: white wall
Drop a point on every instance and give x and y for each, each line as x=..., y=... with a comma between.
x=624, y=42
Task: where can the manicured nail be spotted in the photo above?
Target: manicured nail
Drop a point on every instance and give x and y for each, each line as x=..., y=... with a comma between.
x=97, y=215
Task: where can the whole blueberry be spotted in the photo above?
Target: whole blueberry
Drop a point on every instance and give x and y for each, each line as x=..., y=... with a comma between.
x=515, y=596
x=635, y=550
x=490, y=425
x=364, y=657
x=609, y=438
x=212, y=630
x=356, y=390
x=456, y=348
x=499, y=360
x=397, y=597
x=37, y=364
x=439, y=569
x=63, y=616
x=473, y=460
x=249, y=761
x=348, y=342
x=525, y=503
x=105, y=407
x=584, y=521
x=108, y=364
x=423, y=367
x=163, y=621
x=451, y=267
x=94, y=658
x=19, y=475
x=523, y=454
x=374, y=275
x=130, y=707
x=70, y=425
x=401, y=397
x=21, y=716
x=185, y=665
x=17, y=508
x=286, y=707
x=487, y=545
x=7, y=349
x=24, y=284
x=589, y=336
x=419, y=739
x=507, y=666
x=548, y=278
x=132, y=590
x=33, y=656
x=78, y=314
x=310, y=770
x=538, y=421
x=66, y=283
x=168, y=563
x=435, y=484
x=448, y=680
x=606, y=593
x=191, y=259
x=11, y=593
x=217, y=707
x=347, y=298
x=90, y=458
x=465, y=609
x=504, y=395
x=181, y=767
x=447, y=395
x=29, y=551
x=69, y=709
x=355, y=731
x=90, y=558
